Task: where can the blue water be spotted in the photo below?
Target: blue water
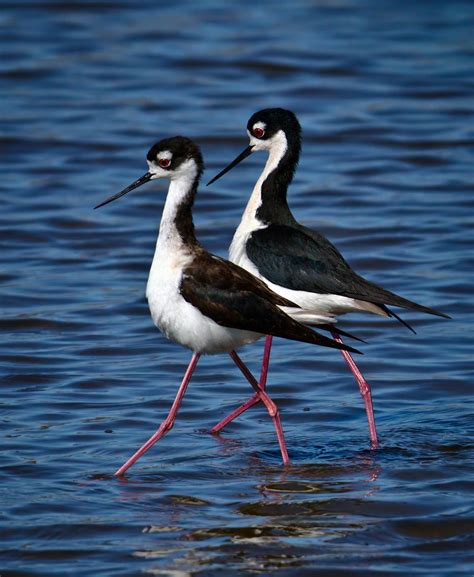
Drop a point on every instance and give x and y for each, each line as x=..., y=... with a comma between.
x=384, y=91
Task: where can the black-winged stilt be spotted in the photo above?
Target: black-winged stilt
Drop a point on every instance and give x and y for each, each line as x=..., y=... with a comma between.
x=199, y=300
x=296, y=262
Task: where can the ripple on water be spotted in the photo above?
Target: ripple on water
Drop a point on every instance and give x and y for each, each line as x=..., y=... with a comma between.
x=384, y=95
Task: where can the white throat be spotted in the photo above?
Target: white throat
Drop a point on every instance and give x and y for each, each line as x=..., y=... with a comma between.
x=170, y=248
x=181, y=183
x=277, y=147
x=171, y=254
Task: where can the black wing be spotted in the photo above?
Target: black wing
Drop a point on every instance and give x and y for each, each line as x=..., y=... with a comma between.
x=234, y=298
x=304, y=260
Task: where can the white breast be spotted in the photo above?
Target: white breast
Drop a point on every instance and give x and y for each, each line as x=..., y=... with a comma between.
x=179, y=320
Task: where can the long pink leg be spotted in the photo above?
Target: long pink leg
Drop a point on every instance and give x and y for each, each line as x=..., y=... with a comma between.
x=265, y=361
x=255, y=398
x=271, y=407
x=168, y=423
x=365, y=391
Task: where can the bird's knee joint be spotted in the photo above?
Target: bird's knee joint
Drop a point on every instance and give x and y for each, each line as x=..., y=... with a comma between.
x=365, y=392
x=273, y=410
x=167, y=426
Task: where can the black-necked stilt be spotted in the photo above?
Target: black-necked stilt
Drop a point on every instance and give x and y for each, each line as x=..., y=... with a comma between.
x=200, y=300
x=296, y=262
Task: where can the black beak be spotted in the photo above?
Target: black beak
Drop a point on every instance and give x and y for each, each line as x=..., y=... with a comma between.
x=145, y=178
x=235, y=162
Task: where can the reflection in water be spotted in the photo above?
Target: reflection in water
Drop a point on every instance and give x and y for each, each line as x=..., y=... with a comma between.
x=319, y=503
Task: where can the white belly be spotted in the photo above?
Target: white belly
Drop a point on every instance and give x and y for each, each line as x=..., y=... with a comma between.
x=180, y=321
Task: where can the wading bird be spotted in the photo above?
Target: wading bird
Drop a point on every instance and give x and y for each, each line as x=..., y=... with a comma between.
x=200, y=300
x=296, y=262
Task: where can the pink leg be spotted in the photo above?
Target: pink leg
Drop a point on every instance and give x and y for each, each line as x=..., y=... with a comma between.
x=168, y=423
x=255, y=398
x=271, y=407
x=266, y=361
x=365, y=391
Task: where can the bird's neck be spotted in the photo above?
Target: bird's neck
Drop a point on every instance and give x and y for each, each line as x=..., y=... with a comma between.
x=177, y=227
x=268, y=203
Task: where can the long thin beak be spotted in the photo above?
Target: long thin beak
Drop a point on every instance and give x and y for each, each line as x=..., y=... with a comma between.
x=145, y=178
x=235, y=162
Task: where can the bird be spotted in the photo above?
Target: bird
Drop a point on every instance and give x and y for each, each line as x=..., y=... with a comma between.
x=201, y=300
x=297, y=262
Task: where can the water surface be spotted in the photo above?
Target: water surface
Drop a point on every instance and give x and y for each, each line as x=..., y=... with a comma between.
x=385, y=97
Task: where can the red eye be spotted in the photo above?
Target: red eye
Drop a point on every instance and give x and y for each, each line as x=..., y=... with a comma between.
x=164, y=162
x=258, y=132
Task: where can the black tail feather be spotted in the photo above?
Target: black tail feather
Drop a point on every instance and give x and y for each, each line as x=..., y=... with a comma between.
x=333, y=329
x=318, y=339
x=373, y=293
x=399, y=319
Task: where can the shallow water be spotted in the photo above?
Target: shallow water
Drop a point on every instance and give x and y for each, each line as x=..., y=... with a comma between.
x=385, y=95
